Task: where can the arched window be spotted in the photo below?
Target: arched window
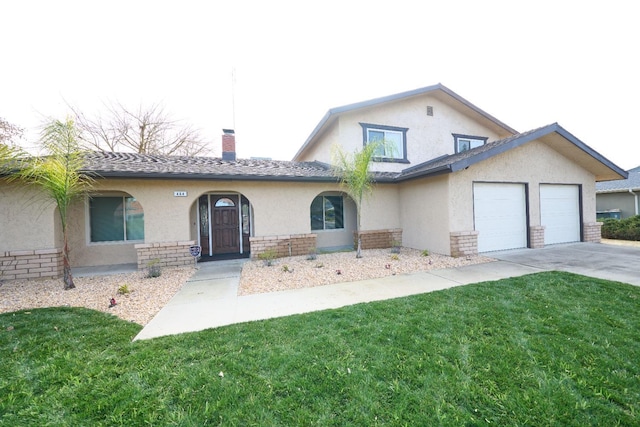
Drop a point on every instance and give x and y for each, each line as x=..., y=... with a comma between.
x=224, y=202
x=327, y=213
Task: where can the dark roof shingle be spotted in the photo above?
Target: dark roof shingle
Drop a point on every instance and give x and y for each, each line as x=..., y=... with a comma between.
x=631, y=183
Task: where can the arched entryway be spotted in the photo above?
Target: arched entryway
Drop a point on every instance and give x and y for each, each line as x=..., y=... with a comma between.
x=224, y=226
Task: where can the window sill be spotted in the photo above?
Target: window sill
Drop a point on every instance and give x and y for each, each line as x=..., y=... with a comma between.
x=390, y=160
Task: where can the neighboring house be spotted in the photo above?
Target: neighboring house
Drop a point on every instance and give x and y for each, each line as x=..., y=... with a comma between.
x=619, y=198
x=454, y=180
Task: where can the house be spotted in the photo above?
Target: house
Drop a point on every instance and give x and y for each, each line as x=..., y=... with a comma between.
x=619, y=198
x=453, y=179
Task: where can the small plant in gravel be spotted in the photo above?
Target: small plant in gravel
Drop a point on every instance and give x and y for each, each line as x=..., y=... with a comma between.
x=395, y=247
x=153, y=268
x=312, y=255
x=319, y=265
x=286, y=269
x=268, y=257
x=395, y=257
x=124, y=290
x=425, y=252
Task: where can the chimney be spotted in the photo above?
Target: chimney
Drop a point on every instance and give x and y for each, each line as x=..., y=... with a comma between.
x=228, y=144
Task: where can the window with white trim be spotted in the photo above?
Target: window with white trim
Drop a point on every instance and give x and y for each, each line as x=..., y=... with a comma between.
x=393, y=141
x=116, y=219
x=327, y=213
x=467, y=142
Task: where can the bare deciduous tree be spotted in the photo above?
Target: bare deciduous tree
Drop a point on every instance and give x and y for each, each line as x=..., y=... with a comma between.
x=148, y=130
x=9, y=132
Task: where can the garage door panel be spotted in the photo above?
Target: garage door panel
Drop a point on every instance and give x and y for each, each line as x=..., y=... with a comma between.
x=500, y=216
x=560, y=213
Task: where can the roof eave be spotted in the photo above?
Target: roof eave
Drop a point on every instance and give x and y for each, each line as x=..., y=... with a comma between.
x=212, y=177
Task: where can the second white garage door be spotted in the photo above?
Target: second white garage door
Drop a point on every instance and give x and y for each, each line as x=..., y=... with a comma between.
x=500, y=216
x=560, y=213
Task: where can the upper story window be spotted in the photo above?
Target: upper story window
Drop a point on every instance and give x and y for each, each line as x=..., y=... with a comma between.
x=467, y=142
x=394, y=141
x=116, y=219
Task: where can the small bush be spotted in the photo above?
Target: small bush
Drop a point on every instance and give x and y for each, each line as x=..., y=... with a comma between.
x=154, y=269
x=124, y=290
x=425, y=252
x=621, y=229
x=268, y=257
x=312, y=255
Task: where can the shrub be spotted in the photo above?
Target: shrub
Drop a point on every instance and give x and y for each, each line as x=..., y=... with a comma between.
x=425, y=252
x=124, y=290
x=153, y=268
x=268, y=256
x=622, y=229
x=312, y=255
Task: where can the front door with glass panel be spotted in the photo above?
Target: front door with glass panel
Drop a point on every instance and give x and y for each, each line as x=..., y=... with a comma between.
x=224, y=224
x=226, y=233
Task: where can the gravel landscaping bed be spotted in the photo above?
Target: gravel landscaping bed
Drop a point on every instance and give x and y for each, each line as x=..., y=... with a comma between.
x=301, y=272
x=147, y=296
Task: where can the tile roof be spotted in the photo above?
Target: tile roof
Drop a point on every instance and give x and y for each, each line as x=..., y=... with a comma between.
x=133, y=165
x=631, y=183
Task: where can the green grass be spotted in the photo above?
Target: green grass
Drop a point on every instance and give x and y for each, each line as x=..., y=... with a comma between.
x=545, y=349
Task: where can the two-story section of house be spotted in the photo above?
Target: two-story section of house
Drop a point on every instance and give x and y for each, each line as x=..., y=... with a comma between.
x=466, y=182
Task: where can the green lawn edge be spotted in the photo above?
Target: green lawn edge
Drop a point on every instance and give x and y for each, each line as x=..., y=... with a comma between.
x=544, y=349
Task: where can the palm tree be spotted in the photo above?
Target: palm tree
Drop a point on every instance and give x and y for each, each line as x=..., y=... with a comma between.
x=59, y=175
x=352, y=169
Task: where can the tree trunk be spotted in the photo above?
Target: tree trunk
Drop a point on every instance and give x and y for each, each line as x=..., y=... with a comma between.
x=66, y=268
x=359, y=251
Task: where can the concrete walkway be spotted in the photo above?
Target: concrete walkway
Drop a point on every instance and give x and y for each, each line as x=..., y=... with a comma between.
x=210, y=298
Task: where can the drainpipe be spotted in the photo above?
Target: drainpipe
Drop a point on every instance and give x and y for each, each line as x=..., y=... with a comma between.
x=635, y=198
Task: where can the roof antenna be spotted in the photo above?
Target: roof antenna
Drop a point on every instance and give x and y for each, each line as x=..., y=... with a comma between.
x=233, y=95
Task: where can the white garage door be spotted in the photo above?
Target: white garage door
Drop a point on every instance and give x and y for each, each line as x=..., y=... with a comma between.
x=500, y=216
x=560, y=213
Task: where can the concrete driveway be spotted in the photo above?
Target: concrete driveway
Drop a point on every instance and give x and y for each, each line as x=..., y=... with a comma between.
x=610, y=262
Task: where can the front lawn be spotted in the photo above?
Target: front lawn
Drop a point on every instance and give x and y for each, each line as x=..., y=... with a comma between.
x=544, y=349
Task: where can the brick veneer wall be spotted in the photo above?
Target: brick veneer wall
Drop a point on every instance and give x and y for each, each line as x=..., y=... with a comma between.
x=34, y=264
x=378, y=239
x=463, y=243
x=167, y=254
x=536, y=236
x=284, y=245
x=592, y=232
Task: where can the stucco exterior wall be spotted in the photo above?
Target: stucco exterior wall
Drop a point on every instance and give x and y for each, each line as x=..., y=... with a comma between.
x=382, y=209
x=321, y=151
x=623, y=201
x=28, y=220
x=533, y=163
x=425, y=215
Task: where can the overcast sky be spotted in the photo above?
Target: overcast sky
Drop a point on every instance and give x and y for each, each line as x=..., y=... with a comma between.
x=571, y=62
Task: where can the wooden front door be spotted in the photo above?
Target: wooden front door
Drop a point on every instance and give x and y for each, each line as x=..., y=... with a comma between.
x=225, y=230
